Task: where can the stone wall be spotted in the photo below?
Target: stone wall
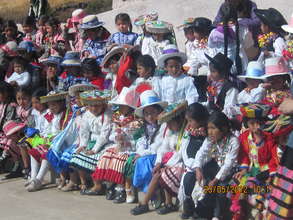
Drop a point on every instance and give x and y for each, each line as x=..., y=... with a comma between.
x=122, y=3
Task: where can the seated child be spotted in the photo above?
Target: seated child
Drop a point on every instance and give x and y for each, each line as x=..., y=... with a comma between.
x=20, y=76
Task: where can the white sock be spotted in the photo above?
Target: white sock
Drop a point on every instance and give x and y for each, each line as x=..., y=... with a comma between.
x=35, y=166
x=43, y=170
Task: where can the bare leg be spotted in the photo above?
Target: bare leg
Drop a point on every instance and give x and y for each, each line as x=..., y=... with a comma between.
x=25, y=157
x=128, y=187
x=97, y=186
x=82, y=176
x=168, y=197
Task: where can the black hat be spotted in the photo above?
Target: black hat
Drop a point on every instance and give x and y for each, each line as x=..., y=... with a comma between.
x=202, y=24
x=271, y=17
x=221, y=62
x=89, y=64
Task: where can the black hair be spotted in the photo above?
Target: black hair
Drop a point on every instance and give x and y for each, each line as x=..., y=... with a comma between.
x=53, y=22
x=230, y=14
x=43, y=19
x=147, y=61
x=179, y=118
x=25, y=90
x=39, y=93
x=125, y=18
x=223, y=123
x=221, y=71
x=29, y=21
x=198, y=112
x=178, y=59
x=6, y=88
x=246, y=119
x=245, y=6
x=10, y=24
x=90, y=64
x=157, y=107
x=188, y=29
x=20, y=60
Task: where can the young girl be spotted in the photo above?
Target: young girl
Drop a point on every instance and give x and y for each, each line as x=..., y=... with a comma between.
x=11, y=32
x=271, y=41
x=52, y=70
x=231, y=39
x=94, y=133
x=125, y=36
x=56, y=120
x=161, y=32
x=20, y=77
x=257, y=158
x=175, y=86
x=164, y=175
x=29, y=29
x=92, y=72
x=72, y=71
x=222, y=95
x=214, y=163
x=125, y=132
x=97, y=37
x=41, y=32
x=278, y=79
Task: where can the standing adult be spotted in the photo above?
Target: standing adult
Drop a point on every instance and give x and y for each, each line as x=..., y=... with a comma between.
x=38, y=8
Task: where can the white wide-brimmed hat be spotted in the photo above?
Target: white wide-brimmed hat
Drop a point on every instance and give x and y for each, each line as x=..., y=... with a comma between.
x=71, y=58
x=289, y=27
x=91, y=22
x=148, y=98
x=78, y=15
x=128, y=96
x=255, y=70
x=114, y=51
x=171, y=51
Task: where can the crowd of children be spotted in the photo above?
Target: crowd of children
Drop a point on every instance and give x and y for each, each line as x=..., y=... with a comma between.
x=208, y=130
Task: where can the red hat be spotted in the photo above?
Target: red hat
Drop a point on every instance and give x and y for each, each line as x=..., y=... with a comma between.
x=12, y=127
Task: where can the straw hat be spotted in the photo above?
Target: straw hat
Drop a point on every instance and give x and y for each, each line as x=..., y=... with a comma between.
x=171, y=51
x=128, y=96
x=171, y=111
x=80, y=88
x=91, y=22
x=78, y=15
x=56, y=60
x=143, y=19
x=95, y=97
x=279, y=126
x=255, y=110
x=276, y=66
x=114, y=51
x=11, y=127
x=159, y=27
x=54, y=96
x=255, y=70
x=148, y=98
x=71, y=58
x=289, y=27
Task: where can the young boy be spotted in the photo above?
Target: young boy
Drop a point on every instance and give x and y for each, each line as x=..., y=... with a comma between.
x=175, y=86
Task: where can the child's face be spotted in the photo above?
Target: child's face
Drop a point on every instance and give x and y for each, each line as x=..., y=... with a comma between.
x=113, y=66
x=92, y=34
x=49, y=29
x=96, y=109
x=253, y=83
x=18, y=68
x=215, y=134
x=3, y=97
x=88, y=74
x=122, y=26
x=173, y=67
x=264, y=28
x=27, y=29
x=42, y=27
x=189, y=35
x=151, y=114
x=277, y=82
x=51, y=70
x=73, y=70
x=37, y=105
x=173, y=125
x=56, y=107
x=215, y=75
x=254, y=125
x=158, y=37
x=191, y=122
x=10, y=32
x=125, y=110
x=142, y=71
x=23, y=100
x=197, y=36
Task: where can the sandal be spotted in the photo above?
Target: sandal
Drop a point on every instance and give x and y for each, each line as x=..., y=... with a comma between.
x=140, y=209
x=70, y=187
x=167, y=209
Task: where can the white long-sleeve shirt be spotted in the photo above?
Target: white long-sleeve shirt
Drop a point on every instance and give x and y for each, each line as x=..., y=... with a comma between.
x=22, y=79
x=253, y=96
x=39, y=120
x=95, y=128
x=225, y=156
x=177, y=89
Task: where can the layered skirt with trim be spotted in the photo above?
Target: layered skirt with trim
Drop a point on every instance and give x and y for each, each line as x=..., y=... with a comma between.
x=39, y=153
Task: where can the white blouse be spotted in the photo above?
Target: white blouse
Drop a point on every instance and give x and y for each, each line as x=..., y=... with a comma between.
x=154, y=81
x=95, y=128
x=22, y=79
x=225, y=156
x=52, y=128
x=177, y=89
x=254, y=96
x=40, y=120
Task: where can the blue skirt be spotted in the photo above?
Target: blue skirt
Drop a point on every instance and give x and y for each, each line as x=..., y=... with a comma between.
x=143, y=172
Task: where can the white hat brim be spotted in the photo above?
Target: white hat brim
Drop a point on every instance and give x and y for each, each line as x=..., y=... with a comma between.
x=139, y=111
x=69, y=63
x=243, y=78
x=118, y=102
x=287, y=28
x=164, y=57
x=87, y=27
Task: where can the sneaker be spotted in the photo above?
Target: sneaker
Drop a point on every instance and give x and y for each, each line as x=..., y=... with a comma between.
x=140, y=209
x=35, y=186
x=28, y=182
x=167, y=209
x=120, y=197
x=130, y=199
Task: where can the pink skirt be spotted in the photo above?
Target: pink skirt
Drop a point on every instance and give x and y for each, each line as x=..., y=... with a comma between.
x=39, y=153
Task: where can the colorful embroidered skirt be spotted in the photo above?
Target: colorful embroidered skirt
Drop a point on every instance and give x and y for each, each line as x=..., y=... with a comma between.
x=39, y=153
x=129, y=167
x=281, y=200
x=110, y=166
x=171, y=177
x=143, y=172
x=9, y=146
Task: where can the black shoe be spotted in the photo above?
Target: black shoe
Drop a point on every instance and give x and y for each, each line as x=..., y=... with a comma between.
x=120, y=197
x=110, y=194
x=140, y=209
x=167, y=209
x=89, y=192
x=12, y=175
x=188, y=208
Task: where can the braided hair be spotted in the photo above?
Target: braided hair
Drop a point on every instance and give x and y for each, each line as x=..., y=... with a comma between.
x=125, y=18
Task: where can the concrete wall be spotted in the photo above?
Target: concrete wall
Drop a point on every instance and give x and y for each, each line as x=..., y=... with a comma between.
x=175, y=11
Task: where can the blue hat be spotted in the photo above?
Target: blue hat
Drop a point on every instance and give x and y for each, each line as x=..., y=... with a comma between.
x=71, y=58
x=90, y=22
x=255, y=70
x=53, y=60
x=26, y=45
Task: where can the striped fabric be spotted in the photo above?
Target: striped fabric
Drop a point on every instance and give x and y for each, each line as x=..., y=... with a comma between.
x=84, y=161
x=39, y=153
